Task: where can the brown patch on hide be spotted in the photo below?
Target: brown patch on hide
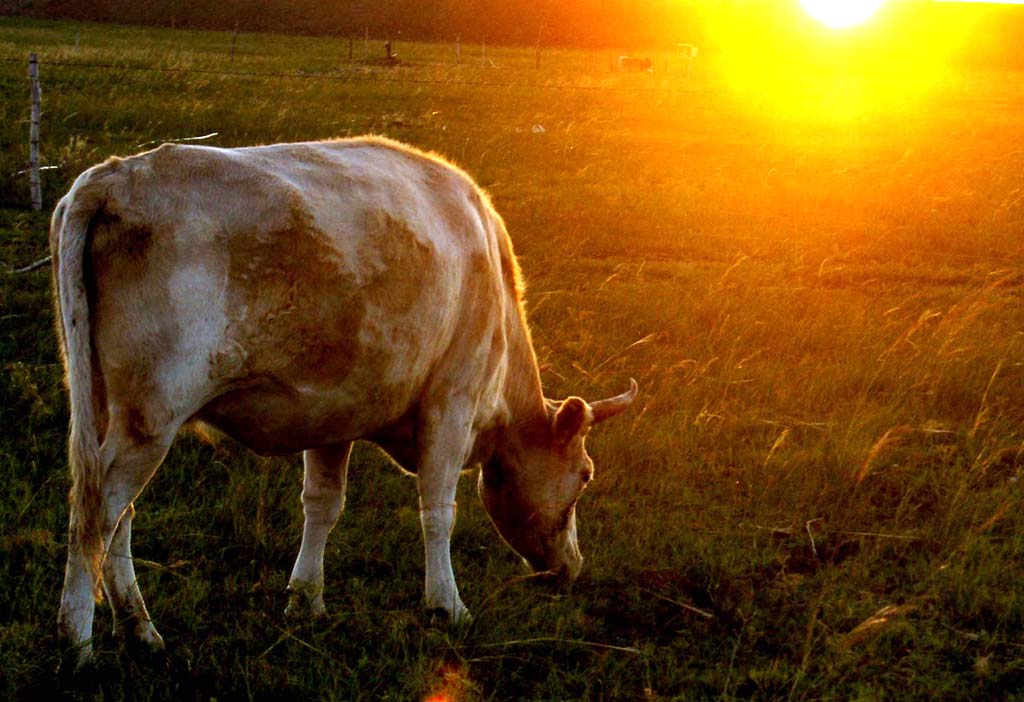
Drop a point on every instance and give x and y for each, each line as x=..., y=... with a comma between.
x=297, y=305
x=291, y=305
x=456, y=195
x=137, y=426
x=480, y=300
x=510, y=271
x=126, y=279
x=493, y=293
x=117, y=277
x=114, y=239
x=405, y=258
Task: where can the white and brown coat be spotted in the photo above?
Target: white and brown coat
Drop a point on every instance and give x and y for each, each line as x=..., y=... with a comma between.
x=299, y=297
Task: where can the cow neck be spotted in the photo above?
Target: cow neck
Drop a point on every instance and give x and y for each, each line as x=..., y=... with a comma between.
x=523, y=394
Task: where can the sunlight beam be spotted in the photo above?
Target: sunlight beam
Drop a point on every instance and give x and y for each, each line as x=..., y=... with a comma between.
x=839, y=14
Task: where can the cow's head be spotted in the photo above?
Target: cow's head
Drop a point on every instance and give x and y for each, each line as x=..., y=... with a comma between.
x=531, y=483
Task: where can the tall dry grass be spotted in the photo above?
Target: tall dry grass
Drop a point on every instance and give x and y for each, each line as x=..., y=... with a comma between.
x=817, y=496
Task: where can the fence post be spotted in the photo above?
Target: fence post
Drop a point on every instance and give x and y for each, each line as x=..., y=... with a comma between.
x=366, y=43
x=33, y=144
x=458, y=49
x=483, y=51
x=234, y=41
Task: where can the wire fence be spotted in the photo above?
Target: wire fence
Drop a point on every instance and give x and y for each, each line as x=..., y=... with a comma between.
x=360, y=73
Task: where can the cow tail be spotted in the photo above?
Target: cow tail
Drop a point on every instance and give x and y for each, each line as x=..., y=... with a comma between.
x=69, y=242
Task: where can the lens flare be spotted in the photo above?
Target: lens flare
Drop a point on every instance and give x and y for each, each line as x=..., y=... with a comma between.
x=454, y=684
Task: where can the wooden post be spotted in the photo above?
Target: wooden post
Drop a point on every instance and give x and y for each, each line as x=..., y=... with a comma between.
x=483, y=51
x=366, y=43
x=76, y=40
x=350, y=48
x=689, y=52
x=33, y=145
x=538, y=46
x=458, y=49
x=234, y=41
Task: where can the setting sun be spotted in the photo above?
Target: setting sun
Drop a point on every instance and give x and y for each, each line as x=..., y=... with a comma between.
x=841, y=13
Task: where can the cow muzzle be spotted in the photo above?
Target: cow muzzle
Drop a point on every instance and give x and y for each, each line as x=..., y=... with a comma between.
x=564, y=561
x=564, y=572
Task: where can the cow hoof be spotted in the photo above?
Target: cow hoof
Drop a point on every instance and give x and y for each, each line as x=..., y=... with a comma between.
x=304, y=610
x=139, y=633
x=305, y=601
x=75, y=661
x=147, y=635
x=440, y=616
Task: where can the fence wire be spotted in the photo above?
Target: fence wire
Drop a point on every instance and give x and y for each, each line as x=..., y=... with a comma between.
x=356, y=76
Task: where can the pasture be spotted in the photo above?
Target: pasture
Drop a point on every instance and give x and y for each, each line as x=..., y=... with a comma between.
x=817, y=496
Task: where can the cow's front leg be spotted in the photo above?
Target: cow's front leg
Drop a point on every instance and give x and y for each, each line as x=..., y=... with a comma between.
x=323, y=499
x=444, y=447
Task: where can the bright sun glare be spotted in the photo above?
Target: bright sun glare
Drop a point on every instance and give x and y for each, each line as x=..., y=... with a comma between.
x=841, y=13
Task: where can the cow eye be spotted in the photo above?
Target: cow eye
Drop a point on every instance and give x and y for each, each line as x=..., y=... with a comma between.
x=586, y=476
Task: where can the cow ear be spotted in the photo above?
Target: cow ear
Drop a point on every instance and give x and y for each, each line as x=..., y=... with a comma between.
x=571, y=420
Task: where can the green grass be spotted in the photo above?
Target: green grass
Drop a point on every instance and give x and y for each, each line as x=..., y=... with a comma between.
x=825, y=317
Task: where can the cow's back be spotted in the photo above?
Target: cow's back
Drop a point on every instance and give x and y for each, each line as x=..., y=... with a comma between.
x=292, y=295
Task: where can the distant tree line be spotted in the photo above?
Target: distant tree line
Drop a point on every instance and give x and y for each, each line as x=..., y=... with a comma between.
x=557, y=22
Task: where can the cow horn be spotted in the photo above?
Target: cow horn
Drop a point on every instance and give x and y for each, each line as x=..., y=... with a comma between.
x=604, y=409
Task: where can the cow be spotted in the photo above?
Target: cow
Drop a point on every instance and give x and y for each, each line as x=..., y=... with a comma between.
x=298, y=297
x=632, y=63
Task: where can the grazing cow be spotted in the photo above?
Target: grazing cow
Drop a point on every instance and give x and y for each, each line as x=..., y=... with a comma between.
x=299, y=297
x=631, y=63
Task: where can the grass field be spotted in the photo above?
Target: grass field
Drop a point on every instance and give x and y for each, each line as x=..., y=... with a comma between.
x=817, y=497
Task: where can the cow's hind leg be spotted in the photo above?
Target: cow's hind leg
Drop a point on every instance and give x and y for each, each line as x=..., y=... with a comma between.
x=323, y=499
x=130, y=464
x=131, y=619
